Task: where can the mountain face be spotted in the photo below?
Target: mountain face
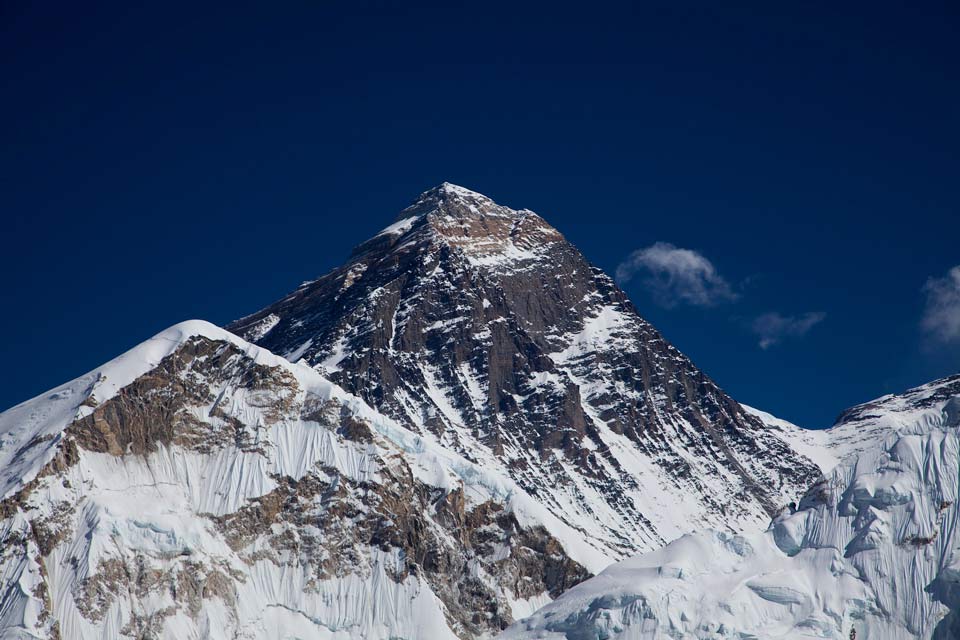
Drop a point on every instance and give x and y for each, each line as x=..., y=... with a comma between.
x=482, y=329
x=873, y=551
x=201, y=487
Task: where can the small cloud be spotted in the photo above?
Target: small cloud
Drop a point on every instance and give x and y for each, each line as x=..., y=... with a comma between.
x=773, y=327
x=676, y=276
x=941, y=316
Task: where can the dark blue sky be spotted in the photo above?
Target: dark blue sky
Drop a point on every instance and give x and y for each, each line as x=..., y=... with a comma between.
x=174, y=162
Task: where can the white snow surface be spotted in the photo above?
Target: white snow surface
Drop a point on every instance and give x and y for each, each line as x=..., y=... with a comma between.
x=872, y=553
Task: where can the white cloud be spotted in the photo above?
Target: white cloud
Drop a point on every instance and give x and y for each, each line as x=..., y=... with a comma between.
x=676, y=275
x=773, y=327
x=941, y=317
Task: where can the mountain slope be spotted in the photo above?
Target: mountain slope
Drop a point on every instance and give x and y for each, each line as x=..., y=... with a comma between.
x=201, y=487
x=872, y=552
x=481, y=328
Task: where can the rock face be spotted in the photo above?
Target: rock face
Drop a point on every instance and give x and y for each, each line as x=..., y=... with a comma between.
x=483, y=329
x=201, y=487
x=871, y=553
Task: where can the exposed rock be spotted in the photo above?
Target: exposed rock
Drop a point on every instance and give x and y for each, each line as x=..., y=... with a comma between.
x=165, y=406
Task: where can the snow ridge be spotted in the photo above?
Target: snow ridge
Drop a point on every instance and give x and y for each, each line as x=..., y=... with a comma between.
x=871, y=552
x=106, y=538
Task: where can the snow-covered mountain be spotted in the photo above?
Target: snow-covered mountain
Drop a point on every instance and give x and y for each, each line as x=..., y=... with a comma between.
x=201, y=487
x=432, y=441
x=481, y=328
x=872, y=552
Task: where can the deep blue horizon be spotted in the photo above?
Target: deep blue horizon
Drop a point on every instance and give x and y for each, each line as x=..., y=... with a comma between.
x=794, y=171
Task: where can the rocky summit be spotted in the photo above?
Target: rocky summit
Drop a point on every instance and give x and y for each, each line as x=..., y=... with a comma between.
x=483, y=329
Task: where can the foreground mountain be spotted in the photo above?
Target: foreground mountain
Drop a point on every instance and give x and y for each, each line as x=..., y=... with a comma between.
x=481, y=328
x=873, y=551
x=201, y=487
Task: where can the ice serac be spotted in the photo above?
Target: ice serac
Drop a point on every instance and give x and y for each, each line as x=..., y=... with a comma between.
x=872, y=552
x=199, y=486
x=482, y=329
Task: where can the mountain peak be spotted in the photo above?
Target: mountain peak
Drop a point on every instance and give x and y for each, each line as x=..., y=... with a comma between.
x=450, y=190
x=485, y=232
x=451, y=200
